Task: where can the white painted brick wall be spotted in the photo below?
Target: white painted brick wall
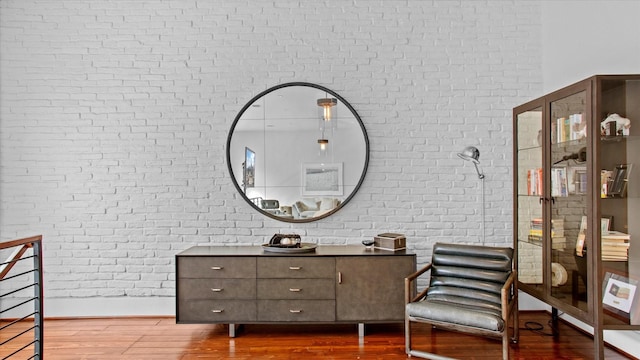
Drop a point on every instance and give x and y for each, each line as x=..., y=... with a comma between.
x=114, y=116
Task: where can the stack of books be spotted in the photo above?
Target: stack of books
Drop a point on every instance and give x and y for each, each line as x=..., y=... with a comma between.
x=558, y=240
x=615, y=246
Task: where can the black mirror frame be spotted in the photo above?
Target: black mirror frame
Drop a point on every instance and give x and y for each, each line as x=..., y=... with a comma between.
x=319, y=87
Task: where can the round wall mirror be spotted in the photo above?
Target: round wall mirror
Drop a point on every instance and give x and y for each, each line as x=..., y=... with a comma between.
x=297, y=152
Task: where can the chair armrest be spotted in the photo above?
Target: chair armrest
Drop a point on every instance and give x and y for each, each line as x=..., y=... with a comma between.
x=505, y=292
x=407, y=284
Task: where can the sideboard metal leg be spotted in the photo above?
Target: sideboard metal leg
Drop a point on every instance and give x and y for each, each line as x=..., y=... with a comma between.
x=360, y=329
x=232, y=330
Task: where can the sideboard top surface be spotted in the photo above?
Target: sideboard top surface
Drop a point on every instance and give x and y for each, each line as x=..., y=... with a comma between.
x=321, y=250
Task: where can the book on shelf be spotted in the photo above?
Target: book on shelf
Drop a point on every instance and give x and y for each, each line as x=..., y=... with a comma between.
x=559, y=182
x=580, y=244
x=614, y=257
x=615, y=235
x=554, y=232
x=578, y=128
x=555, y=222
x=557, y=227
x=534, y=181
x=569, y=128
x=557, y=243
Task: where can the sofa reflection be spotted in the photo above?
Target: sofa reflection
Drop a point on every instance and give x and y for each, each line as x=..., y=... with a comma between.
x=313, y=207
x=305, y=208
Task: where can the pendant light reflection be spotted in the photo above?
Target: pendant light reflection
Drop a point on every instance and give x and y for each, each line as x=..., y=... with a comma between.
x=326, y=114
x=326, y=104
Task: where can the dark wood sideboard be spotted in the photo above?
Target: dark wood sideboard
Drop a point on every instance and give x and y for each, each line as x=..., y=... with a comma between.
x=334, y=284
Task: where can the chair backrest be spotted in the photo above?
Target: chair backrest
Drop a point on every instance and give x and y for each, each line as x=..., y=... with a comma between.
x=269, y=204
x=469, y=274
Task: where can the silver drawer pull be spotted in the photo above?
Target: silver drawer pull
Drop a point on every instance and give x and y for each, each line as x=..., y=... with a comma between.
x=217, y=267
x=216, y=290
x=295, y=290
x=295, y=267
x=295, y=311
x=217, y=311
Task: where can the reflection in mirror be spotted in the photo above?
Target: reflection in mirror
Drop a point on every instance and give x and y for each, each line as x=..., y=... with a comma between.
x=297, y=152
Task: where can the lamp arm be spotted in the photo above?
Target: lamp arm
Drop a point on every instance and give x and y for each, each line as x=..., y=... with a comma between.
x=480, y=175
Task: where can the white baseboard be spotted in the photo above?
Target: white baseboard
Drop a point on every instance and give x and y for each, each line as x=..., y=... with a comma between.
x=99, y=307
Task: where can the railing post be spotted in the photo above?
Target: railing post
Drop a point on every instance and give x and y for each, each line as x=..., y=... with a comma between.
x=39, y=306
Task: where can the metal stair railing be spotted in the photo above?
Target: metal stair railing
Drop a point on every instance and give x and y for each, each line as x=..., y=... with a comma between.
x=15, y=342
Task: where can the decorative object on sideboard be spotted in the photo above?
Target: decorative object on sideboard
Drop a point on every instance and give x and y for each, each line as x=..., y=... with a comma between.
x=390, y=241
x=471, y=153
x=368, y=243
x=285, y=240
x=617, y=122
x=288, y=243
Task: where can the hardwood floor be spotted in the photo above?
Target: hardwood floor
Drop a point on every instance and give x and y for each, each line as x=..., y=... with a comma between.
x=162, y=338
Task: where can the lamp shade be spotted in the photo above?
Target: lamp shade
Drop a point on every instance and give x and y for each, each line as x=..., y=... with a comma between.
x=323, y=144
x=470, y=153
x=325, y=105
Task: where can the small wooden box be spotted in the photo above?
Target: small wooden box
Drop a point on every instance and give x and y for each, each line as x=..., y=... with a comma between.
x=390, y=241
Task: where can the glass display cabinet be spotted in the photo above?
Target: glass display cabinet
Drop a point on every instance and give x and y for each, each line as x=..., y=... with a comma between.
x=577, y=194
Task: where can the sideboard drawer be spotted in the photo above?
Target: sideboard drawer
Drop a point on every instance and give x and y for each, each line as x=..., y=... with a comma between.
x=217, y=267
x=296, y=289
x=296, y=310
x=199, y=311
x=217, y=289
x=296, y=267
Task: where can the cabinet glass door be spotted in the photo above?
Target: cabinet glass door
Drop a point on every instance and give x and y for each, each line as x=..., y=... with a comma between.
x=568, y=200
x=530, y=139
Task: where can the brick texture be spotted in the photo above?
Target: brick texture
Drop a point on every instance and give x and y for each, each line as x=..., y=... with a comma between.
x=114, y=117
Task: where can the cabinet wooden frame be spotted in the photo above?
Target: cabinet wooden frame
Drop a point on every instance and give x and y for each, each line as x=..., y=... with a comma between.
x=591, y=99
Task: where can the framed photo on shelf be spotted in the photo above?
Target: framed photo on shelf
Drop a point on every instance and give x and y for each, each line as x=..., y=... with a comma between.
x=577, y=179
x=605, y=224
x=619, y=297
x=619, y=180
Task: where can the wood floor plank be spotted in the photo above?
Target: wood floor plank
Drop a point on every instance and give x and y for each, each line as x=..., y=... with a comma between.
x=162, y=338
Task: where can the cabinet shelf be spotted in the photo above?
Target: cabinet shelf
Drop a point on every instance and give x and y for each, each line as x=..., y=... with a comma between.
x=571, y=143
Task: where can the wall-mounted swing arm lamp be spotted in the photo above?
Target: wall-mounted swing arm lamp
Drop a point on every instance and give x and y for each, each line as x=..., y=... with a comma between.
x=471, y=153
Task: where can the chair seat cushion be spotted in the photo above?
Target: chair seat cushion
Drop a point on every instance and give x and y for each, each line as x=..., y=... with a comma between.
x=460, y=314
